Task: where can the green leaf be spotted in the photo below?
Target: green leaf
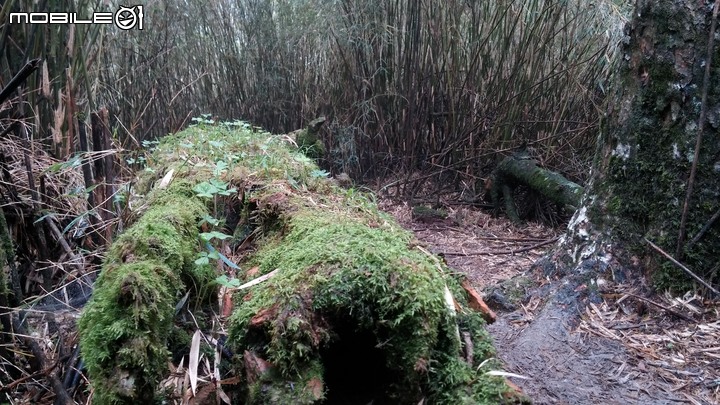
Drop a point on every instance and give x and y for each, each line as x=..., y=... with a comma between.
x=202, y=260
x=220, y=167
x=208, y=236
x=55, y=167
x=219, y=184
x=75, y=221
x=227, y=282
x=205, y=189
x=42, y=218
x=227, y=192
x=209, y=219
x=316, y=174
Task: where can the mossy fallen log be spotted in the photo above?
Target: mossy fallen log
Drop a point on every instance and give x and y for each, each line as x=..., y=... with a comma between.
x=124, y=328
x=353, y=311
x=520, y=168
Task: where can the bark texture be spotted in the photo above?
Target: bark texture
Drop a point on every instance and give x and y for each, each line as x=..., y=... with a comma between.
x=645, y=153
x=647, y=145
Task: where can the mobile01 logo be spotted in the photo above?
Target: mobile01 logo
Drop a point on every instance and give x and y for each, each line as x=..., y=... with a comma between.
x=125, y=18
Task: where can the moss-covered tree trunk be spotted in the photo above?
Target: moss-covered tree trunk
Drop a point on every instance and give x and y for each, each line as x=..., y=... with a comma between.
x=647, y=146
x=646, y=151
x=520, y=168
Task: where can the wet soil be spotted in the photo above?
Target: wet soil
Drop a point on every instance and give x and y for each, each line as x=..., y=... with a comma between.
x=565, y=366
x=561, y=347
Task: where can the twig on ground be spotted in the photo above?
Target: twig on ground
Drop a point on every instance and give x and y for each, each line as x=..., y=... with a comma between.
x=663, y=307
x=688, y=271
x=503, y=252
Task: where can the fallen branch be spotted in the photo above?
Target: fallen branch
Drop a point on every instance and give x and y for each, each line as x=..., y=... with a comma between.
x=688, y=271
x=503, y=252
x=471, y=234
x=663, y=307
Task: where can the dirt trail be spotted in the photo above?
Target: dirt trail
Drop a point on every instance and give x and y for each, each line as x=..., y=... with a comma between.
x=590, y=362
x=566, y=367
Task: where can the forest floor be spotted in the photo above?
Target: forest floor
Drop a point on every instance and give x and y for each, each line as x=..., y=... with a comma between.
x=628, y=349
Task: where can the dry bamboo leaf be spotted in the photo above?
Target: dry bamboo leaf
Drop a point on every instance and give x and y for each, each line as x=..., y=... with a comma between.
x=216, y=374
x=166, y=179
x=506, y=374
x=194, y=360
x=258, y=280
x=45, y=80
x=223, y=396
x=58, y=120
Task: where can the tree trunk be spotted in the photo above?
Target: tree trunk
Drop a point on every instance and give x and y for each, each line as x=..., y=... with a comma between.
x=647, y=145
x=640, y=180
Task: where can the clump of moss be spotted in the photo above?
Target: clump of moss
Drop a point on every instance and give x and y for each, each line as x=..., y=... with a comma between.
x=125, y=326
x=347, y=262
x=310, y=144
x=423, y=213
x=344, y=269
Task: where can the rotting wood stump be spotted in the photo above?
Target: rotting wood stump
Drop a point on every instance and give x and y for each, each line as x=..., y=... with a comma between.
x=352, y=309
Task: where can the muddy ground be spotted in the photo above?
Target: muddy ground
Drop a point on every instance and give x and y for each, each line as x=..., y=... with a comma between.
x=630, y=348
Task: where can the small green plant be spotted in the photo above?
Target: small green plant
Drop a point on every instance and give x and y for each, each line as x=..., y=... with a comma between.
x=208, y=236
x=150, y=145
x=204, y=257
x=203, y=119
x=225, y=281
x=319, y=174
x=220, y=167
x=213, y=187
x=209, y=219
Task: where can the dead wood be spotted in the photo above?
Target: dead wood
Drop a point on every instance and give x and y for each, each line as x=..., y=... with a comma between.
x=503, y=252
x=339, y=301
x=477, y=303
x=520, y=169
x=19, y=78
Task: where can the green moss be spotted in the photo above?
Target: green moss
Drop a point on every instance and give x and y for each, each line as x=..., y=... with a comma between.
x=355, y=264
x=124, y=329
x=514, y=290
x=125, y=326
x=423, y=212
x=310, y=144
x=337, y=257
